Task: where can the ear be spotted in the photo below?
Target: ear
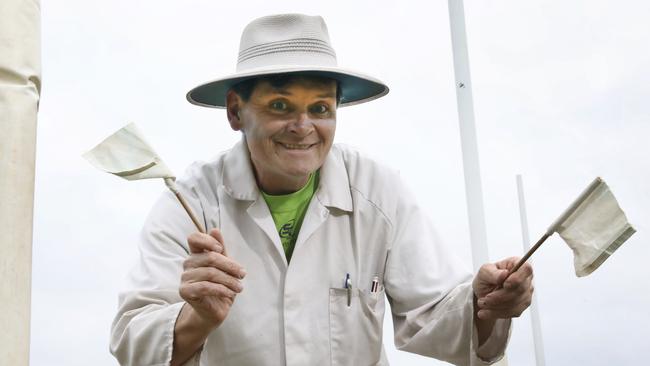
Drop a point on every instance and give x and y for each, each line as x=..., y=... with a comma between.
x=233, y=110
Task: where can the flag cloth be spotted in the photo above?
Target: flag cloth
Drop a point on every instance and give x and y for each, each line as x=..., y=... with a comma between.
x=594, y=226
x=127, y=154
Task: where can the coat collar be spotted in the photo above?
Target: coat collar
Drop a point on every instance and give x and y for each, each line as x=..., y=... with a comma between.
x=333, y=188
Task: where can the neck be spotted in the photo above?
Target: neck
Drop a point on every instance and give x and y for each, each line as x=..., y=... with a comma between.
x=280, y=185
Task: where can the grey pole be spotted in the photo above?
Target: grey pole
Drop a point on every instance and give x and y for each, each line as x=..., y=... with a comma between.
x=19, y=95
x=471, y=167
x=534, y=313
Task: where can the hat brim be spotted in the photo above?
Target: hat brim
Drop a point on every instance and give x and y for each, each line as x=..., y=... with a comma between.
x=355, y=87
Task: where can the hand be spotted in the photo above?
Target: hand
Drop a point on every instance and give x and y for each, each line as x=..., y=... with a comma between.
x=210, y=279
x=508, y=301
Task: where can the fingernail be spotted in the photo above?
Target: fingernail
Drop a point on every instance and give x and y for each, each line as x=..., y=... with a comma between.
x=481, y=303
x=242, y=273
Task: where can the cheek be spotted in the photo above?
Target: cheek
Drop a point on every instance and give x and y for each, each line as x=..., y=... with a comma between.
x=327, y=131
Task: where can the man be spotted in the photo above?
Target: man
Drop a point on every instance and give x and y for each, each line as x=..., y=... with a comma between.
x=306, y=238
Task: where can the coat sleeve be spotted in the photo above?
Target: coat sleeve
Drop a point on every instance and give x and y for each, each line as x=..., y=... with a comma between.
x=430, y=293
x=142, y=332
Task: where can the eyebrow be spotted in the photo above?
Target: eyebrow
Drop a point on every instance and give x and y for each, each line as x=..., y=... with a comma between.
x=287, y=93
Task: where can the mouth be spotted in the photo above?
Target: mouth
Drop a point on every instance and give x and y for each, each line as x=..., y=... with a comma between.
x=297, y=146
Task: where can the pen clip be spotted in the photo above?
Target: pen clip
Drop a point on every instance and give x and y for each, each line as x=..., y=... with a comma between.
x=348, y=287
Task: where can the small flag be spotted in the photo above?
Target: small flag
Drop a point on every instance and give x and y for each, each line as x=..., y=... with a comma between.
x=128, y=155
x=594, y=226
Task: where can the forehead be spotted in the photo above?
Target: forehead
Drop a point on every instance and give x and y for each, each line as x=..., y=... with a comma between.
x=299, y=85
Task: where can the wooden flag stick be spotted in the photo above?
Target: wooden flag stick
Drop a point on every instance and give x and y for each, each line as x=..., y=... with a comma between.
x=172, y=186
x=189, y=212
x=529, y=253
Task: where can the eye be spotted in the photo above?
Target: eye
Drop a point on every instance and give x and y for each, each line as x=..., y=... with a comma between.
x=278, y=105
x=320, y=109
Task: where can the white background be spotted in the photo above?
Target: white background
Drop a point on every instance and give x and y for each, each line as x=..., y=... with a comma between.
x=560, y=93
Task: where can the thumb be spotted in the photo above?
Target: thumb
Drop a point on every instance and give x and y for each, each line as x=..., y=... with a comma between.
x=494, y=276
x=502, y=274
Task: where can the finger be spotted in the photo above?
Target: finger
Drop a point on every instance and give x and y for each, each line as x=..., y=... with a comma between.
x=506, y=300
x=199, y=243
x=223, y=263
x=203, y=259
x=229, y=266
x=216, y=233
x=504, y=295
x=501, y=301
x=512, y=312
x=507, y=263
x=491, y=275
x=209, y=274
x=193, y=292
x=524, y=273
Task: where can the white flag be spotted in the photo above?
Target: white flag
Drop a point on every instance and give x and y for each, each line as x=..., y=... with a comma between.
x=594, y=226
x=126, y=154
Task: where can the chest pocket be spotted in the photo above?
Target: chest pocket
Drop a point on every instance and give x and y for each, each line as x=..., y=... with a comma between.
x=356, y=330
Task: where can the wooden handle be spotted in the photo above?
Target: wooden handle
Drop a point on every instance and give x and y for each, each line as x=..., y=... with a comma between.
x=171, y=184
x=527, y=255
x=189, y=212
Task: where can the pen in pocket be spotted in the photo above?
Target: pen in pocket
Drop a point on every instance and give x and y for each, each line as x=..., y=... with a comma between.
x=374, y=287
x=348, y=286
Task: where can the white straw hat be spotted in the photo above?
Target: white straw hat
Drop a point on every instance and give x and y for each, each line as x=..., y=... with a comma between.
x=288, y=44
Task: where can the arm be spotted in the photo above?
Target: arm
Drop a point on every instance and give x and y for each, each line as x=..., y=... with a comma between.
x=431, y=294
x=143, y=329
x=209, y=285
x=496, y=297
x=152, y=320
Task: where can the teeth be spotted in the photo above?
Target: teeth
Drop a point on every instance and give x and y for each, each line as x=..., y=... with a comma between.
x=297, y=146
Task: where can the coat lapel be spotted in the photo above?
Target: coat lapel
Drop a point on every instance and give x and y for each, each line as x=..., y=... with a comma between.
x=260, y=214
x=333, y=193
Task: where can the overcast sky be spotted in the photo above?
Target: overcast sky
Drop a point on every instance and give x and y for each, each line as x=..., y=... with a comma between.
x=561, y=96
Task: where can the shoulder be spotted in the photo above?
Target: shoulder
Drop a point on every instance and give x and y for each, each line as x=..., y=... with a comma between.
x=203, y=177
x=370, y=179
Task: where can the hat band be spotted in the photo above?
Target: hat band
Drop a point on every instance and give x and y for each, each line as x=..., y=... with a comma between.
x=291, y=45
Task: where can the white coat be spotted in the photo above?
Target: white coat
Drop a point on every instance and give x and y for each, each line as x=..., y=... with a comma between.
x=361, y=221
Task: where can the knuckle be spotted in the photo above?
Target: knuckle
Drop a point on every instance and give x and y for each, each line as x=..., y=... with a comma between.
x=234, y=284
x=186, y=275
x=231, y=267
x=186, y=293
x=188, y=263
x=213, y=257
x=204, y=289
x=193, y=238
x=214, y=275
x=225, y=291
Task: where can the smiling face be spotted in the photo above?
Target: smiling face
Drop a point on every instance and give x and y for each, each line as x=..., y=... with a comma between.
x=289, y=130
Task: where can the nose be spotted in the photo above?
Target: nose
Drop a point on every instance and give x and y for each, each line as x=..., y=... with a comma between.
x=302, y=124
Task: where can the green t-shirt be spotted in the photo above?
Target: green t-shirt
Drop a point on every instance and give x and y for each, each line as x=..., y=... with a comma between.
x=288, y=211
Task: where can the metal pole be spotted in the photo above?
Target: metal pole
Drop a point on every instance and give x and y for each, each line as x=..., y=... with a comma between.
x=19, y=95
x=534, y=313
x=471, y=167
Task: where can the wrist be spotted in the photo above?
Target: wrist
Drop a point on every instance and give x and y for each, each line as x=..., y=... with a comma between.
x=483, y=326
x=189, y=320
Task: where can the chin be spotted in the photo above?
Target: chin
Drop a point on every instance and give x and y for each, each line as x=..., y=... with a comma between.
x=302, y=171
